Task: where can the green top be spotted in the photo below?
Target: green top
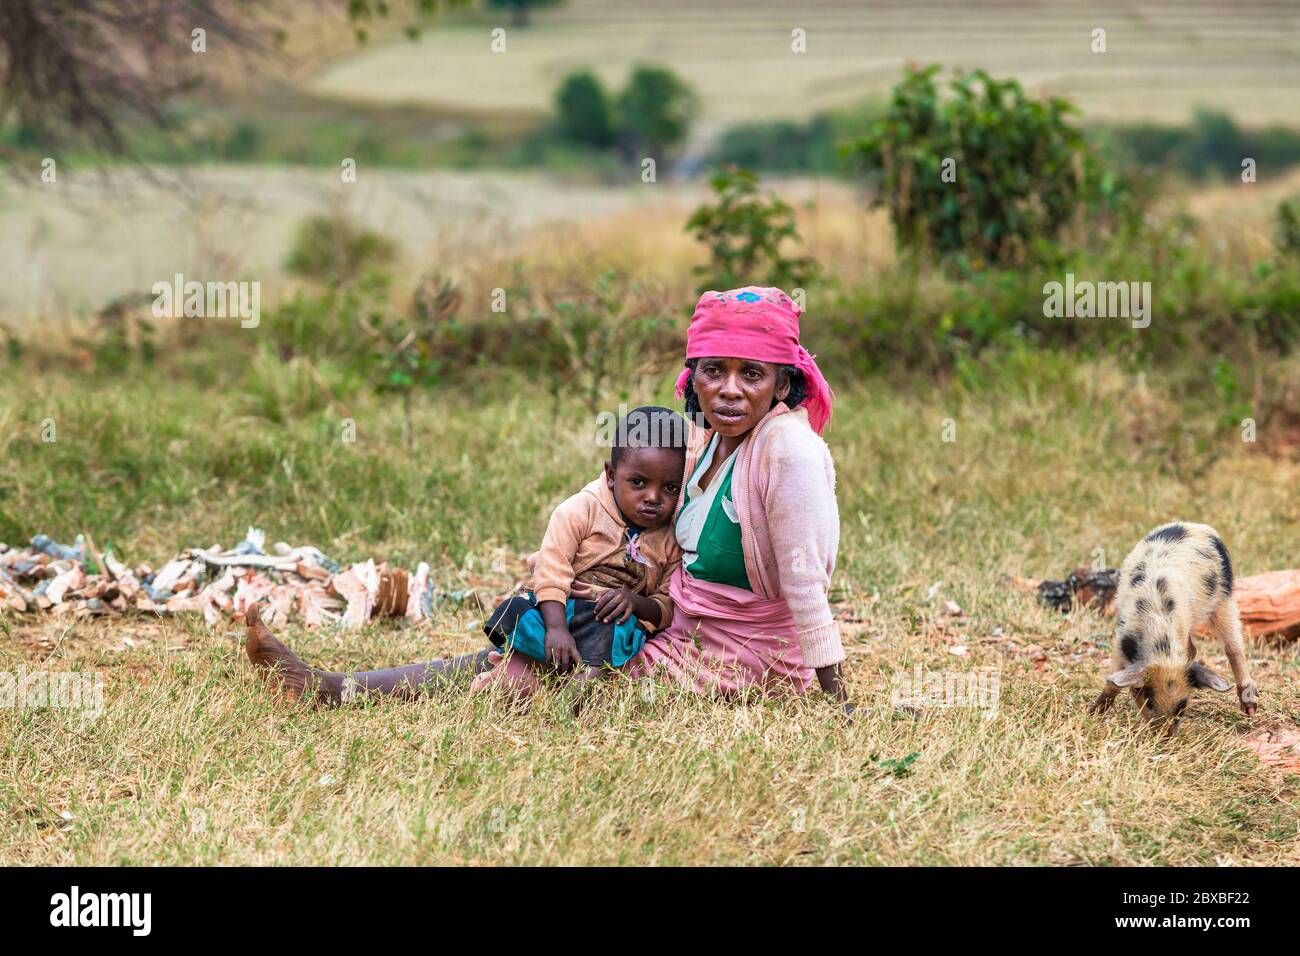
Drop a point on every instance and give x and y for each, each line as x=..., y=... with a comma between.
x=720, y=557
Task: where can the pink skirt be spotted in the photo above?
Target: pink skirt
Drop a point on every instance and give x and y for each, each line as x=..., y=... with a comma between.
x=722, y=639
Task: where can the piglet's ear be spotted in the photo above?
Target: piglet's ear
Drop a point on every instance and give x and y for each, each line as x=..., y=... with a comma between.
x=1133, y=674
x=1201, y=676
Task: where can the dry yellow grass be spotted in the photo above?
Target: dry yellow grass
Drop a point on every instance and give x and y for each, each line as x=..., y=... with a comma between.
x=73, y=247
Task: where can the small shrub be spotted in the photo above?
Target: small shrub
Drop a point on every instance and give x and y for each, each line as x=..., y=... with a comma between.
x=122, y=337
x=1288, y=227
x=519, y=9
x=408, y=351
x=1211, y=145
x=330, y=323
x=333, y=249
x=243, y=143
x=1232, y=399
x=745, y=233
x=612, y=332
x=784, y=146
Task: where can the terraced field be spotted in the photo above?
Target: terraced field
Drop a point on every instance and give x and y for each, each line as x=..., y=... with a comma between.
x=1161, y=58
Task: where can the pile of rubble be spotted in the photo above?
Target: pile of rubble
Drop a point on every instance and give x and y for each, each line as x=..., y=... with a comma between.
x=299, y=583
x=1268, y=603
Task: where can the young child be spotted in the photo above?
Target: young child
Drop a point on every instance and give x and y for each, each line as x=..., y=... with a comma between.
x=601, y=575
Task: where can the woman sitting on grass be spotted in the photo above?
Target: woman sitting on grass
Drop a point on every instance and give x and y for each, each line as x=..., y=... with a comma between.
x=757, y=523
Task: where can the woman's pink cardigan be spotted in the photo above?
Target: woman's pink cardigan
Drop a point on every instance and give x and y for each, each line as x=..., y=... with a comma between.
x=784, y=490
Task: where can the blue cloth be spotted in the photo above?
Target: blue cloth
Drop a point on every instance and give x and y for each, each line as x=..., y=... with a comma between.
x=518, y=623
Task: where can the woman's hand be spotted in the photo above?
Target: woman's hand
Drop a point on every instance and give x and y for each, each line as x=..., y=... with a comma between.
x=832, y=682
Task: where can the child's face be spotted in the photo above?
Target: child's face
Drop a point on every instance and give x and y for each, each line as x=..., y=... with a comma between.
x=646, y=484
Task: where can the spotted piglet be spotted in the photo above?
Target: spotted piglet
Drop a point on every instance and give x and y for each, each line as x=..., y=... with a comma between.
x=1176, y=581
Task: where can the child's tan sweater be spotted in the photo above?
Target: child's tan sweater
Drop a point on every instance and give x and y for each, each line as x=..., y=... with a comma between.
x=586, y=540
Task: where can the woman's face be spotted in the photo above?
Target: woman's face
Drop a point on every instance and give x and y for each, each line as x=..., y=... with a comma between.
x=736, y=393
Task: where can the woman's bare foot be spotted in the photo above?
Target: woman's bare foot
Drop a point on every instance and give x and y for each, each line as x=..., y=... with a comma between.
x=279, y=664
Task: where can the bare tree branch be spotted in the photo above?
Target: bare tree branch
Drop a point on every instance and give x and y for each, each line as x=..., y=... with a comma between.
x=84, y=71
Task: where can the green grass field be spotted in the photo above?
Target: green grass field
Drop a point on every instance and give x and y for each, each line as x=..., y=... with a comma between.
x=192, y=762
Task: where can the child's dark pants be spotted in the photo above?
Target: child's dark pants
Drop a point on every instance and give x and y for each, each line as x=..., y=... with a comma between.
x=594, y=638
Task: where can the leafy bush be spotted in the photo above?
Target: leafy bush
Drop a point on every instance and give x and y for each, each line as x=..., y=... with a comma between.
x=333, y=249
x=1211, y=144
x=790, y=146
x=1232, y=398
x=932, y=321
x=329, y=323
x=745, y=232
x=782, y=146
x=985, y=172
x=612, y=332
x=243, y=144
x=583, y=111
x=122, y=336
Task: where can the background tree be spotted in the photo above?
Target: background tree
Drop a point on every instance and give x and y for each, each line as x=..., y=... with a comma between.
x=520, y=9
x=76, y=69
x=77, y=72
x=654, y=111
x=583, y=109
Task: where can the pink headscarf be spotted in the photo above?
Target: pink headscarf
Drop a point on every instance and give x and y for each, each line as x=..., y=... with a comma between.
x=762, y=324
